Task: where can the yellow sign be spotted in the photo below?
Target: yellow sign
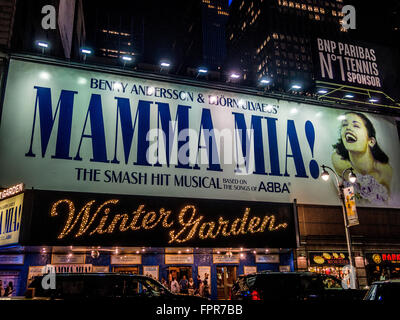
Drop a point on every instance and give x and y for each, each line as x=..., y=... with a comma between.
x=190, y=223
x=377, y=258
x=350, y=202
x=10, y=219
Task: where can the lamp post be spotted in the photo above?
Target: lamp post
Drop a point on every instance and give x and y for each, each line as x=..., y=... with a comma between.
x=340, y=187
x=85, y=52
x=43, y=45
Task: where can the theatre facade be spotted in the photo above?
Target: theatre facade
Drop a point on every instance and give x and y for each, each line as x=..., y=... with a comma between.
x=107, y=170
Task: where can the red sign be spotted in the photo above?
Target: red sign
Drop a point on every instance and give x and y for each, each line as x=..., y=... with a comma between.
x=390, y=257
x=378, y=258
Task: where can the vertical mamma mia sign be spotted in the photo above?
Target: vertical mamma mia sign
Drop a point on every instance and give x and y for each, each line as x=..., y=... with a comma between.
x=80, y=130
x=10, y=219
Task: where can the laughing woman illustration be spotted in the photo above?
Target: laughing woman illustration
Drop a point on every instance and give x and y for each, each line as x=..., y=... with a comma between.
x=358, y=148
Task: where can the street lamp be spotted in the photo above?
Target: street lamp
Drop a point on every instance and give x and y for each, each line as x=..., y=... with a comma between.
x=264, y=81
x=164, y=65
x=126, y=59
x=339, y=184
x=43, y=45
x=201, y=71
x=295, y=87
x=85, y=52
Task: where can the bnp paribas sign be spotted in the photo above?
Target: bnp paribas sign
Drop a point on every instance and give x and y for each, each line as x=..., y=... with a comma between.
x=68, y=129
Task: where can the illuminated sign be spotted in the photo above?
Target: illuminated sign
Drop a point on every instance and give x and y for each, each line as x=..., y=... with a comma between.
x=126, y=259
x=69, y=268
x=68, y=258
x=84, y=219
x=11, y=191
x=179, y=259
x=223, y=258
x=89, y=131
x=348, y=63
x=10, y=219
x=267, y=258
x=350, y=202
x=384, y=258
x=328, y=258
x=12, y=259
x=189, y=222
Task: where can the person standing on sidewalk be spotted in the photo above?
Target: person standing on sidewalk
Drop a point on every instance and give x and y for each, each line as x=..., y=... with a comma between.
x=175, y=286
x=183, y=284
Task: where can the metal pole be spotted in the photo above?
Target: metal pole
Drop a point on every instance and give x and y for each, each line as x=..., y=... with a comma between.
x=346, y=226
x=346, y=223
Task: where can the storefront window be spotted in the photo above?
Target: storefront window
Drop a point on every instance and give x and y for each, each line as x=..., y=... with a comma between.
x=382, y=266
x=328, y=263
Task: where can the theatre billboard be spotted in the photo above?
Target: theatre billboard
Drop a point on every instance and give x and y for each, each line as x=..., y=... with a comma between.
x=68, y=129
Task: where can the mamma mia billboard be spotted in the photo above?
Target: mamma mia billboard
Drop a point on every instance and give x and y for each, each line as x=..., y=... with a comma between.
x=67, y=129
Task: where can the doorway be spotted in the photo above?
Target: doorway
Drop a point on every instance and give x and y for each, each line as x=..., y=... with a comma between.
x=226, y=277
x=126, y=270
x=11, y=276
x=179, y=272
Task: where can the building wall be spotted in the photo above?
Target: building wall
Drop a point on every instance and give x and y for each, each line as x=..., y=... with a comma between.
x=37, y=259
x=376, y=224
x=322, y=229
x=7, y=11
